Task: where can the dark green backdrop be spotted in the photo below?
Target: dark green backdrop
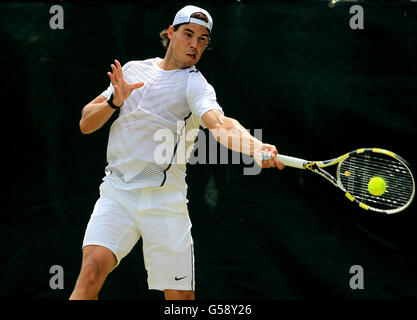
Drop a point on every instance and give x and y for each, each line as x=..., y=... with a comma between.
x=293, y=68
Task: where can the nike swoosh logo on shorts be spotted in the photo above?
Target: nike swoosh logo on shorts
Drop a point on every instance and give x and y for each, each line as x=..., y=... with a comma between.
x=176, y=278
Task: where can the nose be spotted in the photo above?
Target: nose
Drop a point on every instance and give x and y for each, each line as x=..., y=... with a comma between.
x=193, y=42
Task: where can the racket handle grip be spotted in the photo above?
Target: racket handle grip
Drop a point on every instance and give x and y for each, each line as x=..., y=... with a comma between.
x=285, y=160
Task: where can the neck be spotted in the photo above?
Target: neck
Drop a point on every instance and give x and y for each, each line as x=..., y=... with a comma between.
x=168, y=63
x=164, y=64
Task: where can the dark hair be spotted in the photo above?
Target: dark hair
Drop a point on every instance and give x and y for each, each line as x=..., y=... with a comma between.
x=164, y=33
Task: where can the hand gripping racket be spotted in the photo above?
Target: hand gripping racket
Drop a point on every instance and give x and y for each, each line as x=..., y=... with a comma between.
x=354, y=173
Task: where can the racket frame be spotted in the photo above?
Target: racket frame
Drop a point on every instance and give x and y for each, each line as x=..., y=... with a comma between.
x=317, y=167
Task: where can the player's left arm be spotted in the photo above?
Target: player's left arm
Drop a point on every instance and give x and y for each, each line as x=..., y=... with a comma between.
x=230, y=133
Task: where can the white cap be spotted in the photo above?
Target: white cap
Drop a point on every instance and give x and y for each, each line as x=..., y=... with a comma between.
x=184, y=16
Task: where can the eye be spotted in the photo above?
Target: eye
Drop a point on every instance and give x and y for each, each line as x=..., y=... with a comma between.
x=189, y=35
x=203, y=40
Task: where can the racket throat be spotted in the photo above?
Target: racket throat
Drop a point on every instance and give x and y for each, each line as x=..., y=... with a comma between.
x=313, y=166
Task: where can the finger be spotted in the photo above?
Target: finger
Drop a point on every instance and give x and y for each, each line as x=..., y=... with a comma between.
x=271, y=163
x=272, y=151
x=266, y=163
x=279, y=164
x=119, y=68
x=114, y=69
x=111, y=76
x=115, y=73
x=137, y=85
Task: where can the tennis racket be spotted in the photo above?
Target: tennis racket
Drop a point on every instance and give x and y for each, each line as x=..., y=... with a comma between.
x=354, y=172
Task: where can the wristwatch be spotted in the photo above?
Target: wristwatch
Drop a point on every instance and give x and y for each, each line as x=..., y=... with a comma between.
x=111, y=104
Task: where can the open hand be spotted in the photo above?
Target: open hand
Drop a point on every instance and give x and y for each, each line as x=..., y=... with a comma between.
x=122, y=89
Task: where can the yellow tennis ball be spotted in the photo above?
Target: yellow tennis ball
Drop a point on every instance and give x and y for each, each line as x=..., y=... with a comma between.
x=377, y=186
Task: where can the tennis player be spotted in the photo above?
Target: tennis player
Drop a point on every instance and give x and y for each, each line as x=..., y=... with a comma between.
x=139, y=195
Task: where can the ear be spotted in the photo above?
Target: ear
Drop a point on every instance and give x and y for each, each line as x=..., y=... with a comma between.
x=170, y=32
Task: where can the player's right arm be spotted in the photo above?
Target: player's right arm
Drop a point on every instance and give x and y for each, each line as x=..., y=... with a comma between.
x=230, y=133
x=96, y=113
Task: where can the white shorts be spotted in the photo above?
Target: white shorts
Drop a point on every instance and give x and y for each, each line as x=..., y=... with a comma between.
x=160, y=217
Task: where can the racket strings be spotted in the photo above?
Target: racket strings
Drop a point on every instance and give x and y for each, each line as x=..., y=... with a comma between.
x=397, y=182
x=357, y=170
x=396, y=189
x=390, y=167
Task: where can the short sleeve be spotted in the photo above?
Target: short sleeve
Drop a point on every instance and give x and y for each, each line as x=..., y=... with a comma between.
x=201, y=96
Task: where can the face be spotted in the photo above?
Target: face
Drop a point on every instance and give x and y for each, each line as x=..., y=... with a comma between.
x=187, y=44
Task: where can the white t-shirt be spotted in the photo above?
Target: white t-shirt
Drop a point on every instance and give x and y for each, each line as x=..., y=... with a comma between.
x=151, y=140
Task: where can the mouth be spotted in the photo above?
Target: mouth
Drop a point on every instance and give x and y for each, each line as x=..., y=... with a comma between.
x=192, y=55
